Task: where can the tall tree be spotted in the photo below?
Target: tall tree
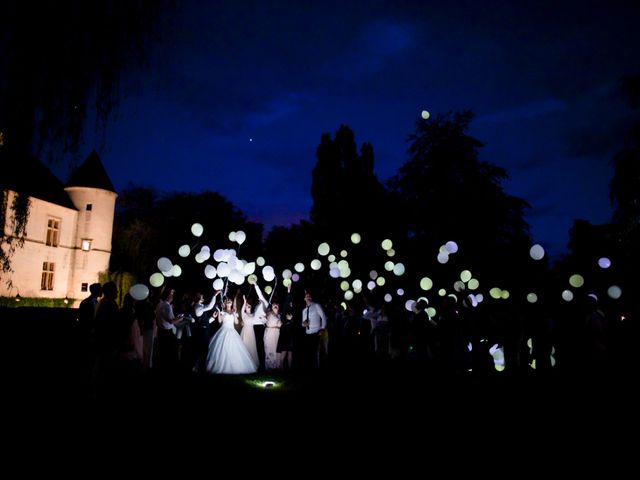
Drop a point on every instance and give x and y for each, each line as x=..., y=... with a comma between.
x=444, y=192
x=347, y=195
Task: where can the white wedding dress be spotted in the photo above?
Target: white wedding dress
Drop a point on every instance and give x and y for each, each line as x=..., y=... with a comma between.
x=227, y=352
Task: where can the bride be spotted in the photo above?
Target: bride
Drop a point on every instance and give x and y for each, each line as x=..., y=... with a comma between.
x=227, y=351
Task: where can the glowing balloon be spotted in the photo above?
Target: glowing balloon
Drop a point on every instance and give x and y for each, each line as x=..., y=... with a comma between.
x=371, y=285
x=473, y=284
x=249, y=268
x=176, y=270
x=409, y=304
x=458, y=286
x=443, y=257
x=197, y=229
x=442, y=292
x=184, y=251
x=388, y=266
x=240, y=237
x=380, y=281
x=387, y=244
x=164, y=264
x=218, y=284
x=348, y=295
x=398, y=269
x=355, y=238
x=323, y=249
x=357, y=284
x=286, y=273
x=299, y=267
x=388, y=297
x=232, y=236
x=614, y=292
x=210, y=271
x=576, y=280
x=295, y=277
x=604, y=262
x=260, y=261
x=532, y=298
x=391, y=252
x=504, y=294
x=425, y=115
x=451, y=246
x=316, y=264
x=286, y=282
x=252, y=279
x=139, y=291
x=344, y=285
x=331, y=258
x=536, y=252
x=496, y=293
x=465, y=276
x=268, y=289
x=431, y=312
x=373, y=274
x=426, y=283
x=156, y=280
x=400, y=292
x=218, y=255
x=343, y=253
x=268, y=274
x=567, y=295
x=334, y=272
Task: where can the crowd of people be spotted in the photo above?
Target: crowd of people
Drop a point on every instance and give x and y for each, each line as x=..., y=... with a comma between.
x=198, y=335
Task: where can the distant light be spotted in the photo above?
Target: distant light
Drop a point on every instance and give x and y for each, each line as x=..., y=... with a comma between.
x=355, y=238
x=251, y=139
x=268, y=384
x=604, y=262
x=425, y=115
x=66, y=300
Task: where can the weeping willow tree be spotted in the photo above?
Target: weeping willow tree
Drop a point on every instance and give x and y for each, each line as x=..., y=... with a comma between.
x=59, y=61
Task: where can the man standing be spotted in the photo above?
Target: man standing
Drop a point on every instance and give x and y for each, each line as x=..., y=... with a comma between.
x=314, y=322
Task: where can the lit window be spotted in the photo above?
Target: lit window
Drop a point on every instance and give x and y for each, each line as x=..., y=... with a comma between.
x=53, y=232
x=86, y=245
x=47, y=276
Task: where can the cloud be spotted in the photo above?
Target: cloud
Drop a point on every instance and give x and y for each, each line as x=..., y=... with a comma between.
x=525, y=111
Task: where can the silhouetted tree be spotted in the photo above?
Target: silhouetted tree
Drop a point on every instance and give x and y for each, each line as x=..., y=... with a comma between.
x=444, y=192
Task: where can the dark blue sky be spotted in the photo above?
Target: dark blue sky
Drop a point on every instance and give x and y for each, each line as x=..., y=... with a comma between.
x=238, y=93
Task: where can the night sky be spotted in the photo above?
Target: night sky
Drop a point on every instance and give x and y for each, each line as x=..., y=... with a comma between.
x=237, y=94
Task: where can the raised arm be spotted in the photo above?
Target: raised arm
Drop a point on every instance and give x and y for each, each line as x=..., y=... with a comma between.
x=263, y=301
x=200, y=309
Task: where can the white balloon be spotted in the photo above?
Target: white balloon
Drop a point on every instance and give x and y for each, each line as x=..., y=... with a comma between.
x=218, y=284
x=614, y=292
x=232, y=236
x=299, y=267
x=604, y=262
x=316, y=264
x=249, y=268
x=223, y=269
x=451, y=246
x=240, y=237
x=536, y=252
x=210, y=271
x=408, y=305
x=197, y=229
x=443, y=257
x=323, y=248
x=184, y=251
x=176, y=270
x=218, y=255
x=164, y=264
x=286, y=273
x=139, y=291
x=334, y=272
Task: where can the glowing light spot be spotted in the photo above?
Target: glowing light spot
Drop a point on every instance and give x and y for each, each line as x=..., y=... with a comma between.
x=295, y=277
x=387, y=244
x=388, y=297
x=576, y=280
x=373, y=274
x=567, y=295
x=400, y=292
x=425, y=115
x=356, y=238
x=348, y=295
x=184, y=251
x=316, y=264
x=371, y=285
x=344, y=285
x=388, y=266
x=398, y=269
x=380, y=281
x=260, y=261
x=451, y=246
x=442, y=292
x=334, y=272
x=473, y=284
x=496, y=293
x=443, y=257
x=218, y=284
x=357, y=284
x=532, y=297
x=343, y=253
x=197, y=229
x=331, y=258
x=268, y=289
x=426, y=283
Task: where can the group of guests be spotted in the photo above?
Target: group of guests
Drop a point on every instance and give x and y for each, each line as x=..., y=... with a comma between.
x=212, y=337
